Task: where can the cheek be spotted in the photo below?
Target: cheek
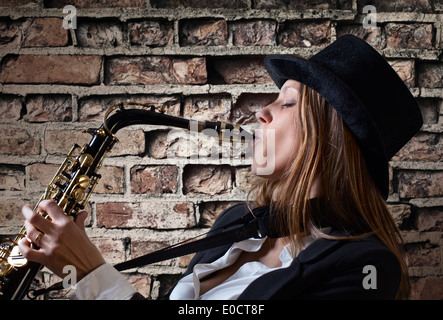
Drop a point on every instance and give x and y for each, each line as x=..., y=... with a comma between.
x=286, y=144
x=274, y=153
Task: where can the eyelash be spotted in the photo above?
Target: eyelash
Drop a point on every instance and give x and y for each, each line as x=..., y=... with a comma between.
x=288, y=105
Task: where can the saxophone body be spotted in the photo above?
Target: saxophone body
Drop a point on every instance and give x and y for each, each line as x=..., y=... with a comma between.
x=76, y=179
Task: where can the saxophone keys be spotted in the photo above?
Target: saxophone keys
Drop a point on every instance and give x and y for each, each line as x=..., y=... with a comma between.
x=63, y=203
x=16, y=259
x=86, y=160
x=83, y=182
x=79, y=194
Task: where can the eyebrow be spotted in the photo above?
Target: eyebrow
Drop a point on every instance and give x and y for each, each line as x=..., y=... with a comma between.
x=284, y=89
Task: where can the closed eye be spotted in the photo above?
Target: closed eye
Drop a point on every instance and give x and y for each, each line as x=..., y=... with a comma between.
x=288, y=105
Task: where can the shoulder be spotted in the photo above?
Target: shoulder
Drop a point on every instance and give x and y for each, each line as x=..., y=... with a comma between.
x=368, y=253
x=360, y=268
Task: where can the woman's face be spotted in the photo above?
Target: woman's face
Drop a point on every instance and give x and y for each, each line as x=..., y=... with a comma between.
x=275, y=140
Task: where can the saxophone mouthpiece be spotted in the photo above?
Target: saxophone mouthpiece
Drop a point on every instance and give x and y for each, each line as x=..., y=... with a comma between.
x=226, y=131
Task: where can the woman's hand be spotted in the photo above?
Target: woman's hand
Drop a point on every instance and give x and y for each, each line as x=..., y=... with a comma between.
x=61, y=241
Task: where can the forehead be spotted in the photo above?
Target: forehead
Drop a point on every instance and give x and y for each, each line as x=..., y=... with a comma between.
x=290, y=85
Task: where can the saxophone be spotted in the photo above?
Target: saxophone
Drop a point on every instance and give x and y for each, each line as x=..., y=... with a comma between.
x=77, y=176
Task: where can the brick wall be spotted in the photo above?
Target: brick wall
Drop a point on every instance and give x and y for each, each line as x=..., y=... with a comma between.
x=201, y=59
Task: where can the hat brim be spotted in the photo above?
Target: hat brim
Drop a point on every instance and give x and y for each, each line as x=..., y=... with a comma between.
x=351, y=109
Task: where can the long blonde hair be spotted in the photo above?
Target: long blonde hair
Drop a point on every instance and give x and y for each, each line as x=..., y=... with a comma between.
x=329, y=151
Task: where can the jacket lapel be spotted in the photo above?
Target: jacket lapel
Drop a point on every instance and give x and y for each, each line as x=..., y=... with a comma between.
x=272, y=284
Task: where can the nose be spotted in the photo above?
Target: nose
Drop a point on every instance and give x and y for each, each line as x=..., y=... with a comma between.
x=264, y=116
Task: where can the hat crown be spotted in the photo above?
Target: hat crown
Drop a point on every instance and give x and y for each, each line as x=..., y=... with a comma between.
x=370, y=77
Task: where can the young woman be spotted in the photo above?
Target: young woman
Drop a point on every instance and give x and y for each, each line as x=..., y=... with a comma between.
x=340, y=116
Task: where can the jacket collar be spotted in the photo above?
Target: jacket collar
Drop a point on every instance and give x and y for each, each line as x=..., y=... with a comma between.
x=320, y=248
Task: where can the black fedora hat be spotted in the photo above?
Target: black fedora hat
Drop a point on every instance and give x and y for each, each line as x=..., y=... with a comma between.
x=367, y=93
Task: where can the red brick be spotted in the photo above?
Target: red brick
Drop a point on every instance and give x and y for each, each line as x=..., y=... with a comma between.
x=248, y=104
x=420, y=184
x=80, y=4
x=244, y=178
x=61, y=141
x=413, y=36
x=10, y=108
x=159, y=144
x=240, y=70
x=300, y=4
x=17, y=3
x=424, y=147
x=151, y=33
x=141, y=247
x=423, y=255
x=430, y=219
x=184, y=261
x=131, y=142
x=40, y=175
x=154, y=179
x=254, y=33
x=114, y=214
x=18, y=141
x=208, y=108
x=112, y=250
x=10, y=212
x=209, y=211
x=430, y=110
x=302, y=34
x=204, y=33
x=400, y=212
x=97, y=34
x=151, y=70
x=166, y=215
x=430, y=75
x=141, y=283
x=12, y=178
x=397, y=5
x=63, y=69
x=152, y=214
x=405, y=70
x=228, y=4
x=207, y=180
x=112, y=180
x=10, y=32
x=44, y=32
x=43, y=108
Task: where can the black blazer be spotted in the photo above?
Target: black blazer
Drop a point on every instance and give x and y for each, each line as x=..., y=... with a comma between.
x=327, y=269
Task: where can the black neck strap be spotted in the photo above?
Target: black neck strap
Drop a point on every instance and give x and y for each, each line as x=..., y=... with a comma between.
x=250, y=226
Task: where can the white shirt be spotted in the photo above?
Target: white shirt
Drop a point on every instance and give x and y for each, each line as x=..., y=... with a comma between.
x=106, y=283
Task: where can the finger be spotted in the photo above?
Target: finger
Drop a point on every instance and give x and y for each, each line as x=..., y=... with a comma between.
x=80, y=219
x=29, y=253
x=33, y=234
x=52, y=209
x=36, y=220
